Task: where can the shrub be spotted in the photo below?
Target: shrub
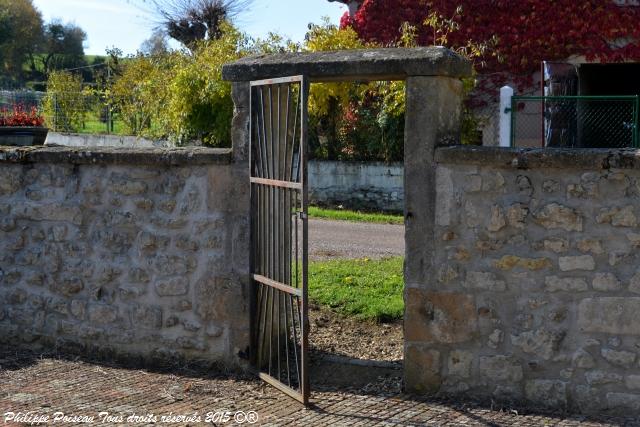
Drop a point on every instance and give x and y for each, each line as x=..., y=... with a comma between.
x=64, y=102
x=139, y=95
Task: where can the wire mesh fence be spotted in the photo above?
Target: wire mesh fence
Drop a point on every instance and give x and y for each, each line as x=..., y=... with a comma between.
x=575, y=121
x=68, y=111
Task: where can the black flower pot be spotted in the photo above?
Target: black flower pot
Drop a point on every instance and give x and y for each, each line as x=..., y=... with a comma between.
x=23, y=135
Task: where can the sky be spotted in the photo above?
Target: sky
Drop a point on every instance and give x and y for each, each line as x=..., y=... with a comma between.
x=126, y=24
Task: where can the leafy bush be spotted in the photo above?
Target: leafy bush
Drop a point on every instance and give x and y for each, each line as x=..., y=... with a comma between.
x=352, y=121
x=180, y=95
x=199, y=104
x=64, y=102
x=140, y=94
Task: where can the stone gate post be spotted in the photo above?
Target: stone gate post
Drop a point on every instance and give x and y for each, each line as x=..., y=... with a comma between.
x=433, y=118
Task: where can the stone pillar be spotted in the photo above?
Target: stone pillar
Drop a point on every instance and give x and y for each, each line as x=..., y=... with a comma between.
x=240, y=221
x=240, y=138
x=433, y=118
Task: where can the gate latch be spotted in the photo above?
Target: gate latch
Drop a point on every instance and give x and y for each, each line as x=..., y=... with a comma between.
x=302, y=215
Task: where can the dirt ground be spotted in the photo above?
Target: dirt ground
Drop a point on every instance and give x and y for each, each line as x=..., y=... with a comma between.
x=339, y=335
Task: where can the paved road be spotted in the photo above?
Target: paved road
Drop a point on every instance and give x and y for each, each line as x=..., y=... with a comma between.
x=344, y=239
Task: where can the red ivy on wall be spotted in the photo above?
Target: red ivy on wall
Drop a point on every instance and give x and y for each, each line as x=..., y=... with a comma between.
x=528, y=31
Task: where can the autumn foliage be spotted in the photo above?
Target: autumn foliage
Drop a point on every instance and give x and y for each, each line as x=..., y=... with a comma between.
x=528, y=31
x=19, y=116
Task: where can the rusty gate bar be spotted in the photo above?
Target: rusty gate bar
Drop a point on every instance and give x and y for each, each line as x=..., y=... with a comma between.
x=279, y=256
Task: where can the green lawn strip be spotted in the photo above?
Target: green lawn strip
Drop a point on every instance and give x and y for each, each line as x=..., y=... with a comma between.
x=363, y=288
x=346, y=215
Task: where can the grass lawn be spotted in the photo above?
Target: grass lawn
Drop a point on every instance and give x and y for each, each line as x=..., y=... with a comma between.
x=363, y=288
x=345, y=215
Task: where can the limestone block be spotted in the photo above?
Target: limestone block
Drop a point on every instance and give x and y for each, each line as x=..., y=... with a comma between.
x=634, y=239
x=509, y=262
x=191, y=325
x=619, y=358
x=495, y=338
x=445, y=196
x=610, y=315
x=472, y=183
x=547, y=393
x=618, y=257
x=554, y=216
x=542, y=342
x=460, y=363
x=139, y=275
x=593, y=246
x=102, y=314
x=606, y=282
x=550, y=186
x=582, y=359
x=78, y=308
x=624, y=401
x=422, y=369
x=472, y=217
x=49, y=212
x=517, y=215
x=146, y=316
x=497, y=220
x=565, y=284
x=582, y=262
x=602, y=377
x=485, y=281
x=439, y=317
x=68, y=286
x=175, y=286
x=187, y=343
x=618, y=217
x=632, y=382
x=634, y=283
x=500, y=368
x=125, y=186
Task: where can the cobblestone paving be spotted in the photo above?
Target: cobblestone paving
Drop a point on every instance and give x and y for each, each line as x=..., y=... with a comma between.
x=45, y=385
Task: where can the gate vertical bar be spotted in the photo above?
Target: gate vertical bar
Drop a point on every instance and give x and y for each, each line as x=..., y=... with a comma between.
x=304, y=112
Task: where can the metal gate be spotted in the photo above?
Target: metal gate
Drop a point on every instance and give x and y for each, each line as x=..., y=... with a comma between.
x=280, y=326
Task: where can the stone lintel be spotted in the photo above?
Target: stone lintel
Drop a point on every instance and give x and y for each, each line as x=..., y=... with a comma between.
x=536, y=158
x=351, y=65
x=116, y=155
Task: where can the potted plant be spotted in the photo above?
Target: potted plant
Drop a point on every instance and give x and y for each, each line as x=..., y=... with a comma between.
x=19, y=126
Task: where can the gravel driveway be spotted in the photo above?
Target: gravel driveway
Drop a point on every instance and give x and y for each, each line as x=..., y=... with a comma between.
x=345, y=239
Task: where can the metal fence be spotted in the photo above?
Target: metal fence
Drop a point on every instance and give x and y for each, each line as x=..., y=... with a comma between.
x=575, y=121
x=68, y=111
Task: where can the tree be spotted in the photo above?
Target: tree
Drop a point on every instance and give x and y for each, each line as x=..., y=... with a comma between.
x=527, y=31
x=63, y=46
x=21, y=32
x=156, y=44
x=189, y=21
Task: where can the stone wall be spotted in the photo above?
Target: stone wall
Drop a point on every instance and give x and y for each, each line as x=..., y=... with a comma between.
x=535, y=294
x=125, y=253
x=357, y=185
